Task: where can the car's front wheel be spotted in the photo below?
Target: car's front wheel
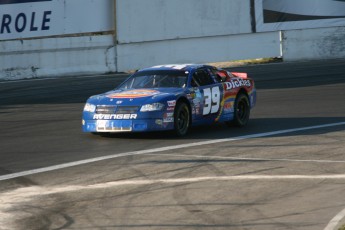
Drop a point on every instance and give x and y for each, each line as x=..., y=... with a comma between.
x=181, y=119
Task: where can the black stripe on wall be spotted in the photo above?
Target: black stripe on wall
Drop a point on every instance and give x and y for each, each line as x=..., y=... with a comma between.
x=5, y=2
x=253, y=16
x=275, y=16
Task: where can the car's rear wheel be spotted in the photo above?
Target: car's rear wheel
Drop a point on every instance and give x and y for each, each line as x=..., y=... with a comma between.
x=241, y=111
x=181, y=119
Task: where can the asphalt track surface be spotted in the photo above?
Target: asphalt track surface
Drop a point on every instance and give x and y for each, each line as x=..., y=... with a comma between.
x=232, y=178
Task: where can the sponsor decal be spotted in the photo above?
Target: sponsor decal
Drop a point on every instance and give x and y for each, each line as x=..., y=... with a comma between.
x=190, y=96
x=198, y=94
x=115, y=116
x=172, y=103
x=197, y=102
x=21, y=19
x=197, y=109
x=138, y=93
x=30, y=22
x=228, y=106
x=236, y=83
x=168, y=117
x=227, y=96
x=159, y=122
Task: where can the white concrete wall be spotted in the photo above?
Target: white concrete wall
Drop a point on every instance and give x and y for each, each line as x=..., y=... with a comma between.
x=57, y=57
x=155, y=20
x=198, y=50
x=154, y=32
x=314, y=44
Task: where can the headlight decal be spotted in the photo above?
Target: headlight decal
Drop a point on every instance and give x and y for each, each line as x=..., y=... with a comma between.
x=152, y=107
x=89, y=108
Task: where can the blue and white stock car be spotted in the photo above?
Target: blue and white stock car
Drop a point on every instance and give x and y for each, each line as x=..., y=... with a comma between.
x=172, y=97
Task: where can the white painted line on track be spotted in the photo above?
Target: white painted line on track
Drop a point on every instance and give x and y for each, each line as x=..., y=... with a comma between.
x=13, y=201
x=162, y=149
x=30, y=80
x=59, y=78
x=335, y=221
x=247, y=158
x=43, y=190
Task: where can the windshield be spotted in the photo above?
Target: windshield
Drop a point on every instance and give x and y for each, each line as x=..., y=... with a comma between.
x=156, y=79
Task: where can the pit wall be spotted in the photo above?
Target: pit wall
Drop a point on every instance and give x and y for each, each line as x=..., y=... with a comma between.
x=133, y=34
x=198, y=50
x=313, y=44
x=193, y=31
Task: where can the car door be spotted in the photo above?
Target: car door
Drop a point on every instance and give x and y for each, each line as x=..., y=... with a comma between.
x=209, y=93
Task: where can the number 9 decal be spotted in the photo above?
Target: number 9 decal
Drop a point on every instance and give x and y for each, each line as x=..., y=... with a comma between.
x=211, y=100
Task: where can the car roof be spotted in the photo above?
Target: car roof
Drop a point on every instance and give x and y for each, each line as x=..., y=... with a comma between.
x=183, y=67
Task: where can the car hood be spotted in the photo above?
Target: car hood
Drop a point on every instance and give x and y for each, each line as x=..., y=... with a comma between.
x=135, y=96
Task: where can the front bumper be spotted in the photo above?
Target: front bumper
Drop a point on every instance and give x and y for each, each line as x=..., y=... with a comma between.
x=142, y=125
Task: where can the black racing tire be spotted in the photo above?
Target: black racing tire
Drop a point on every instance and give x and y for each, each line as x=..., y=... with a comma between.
x=181, y=119
x=241, y=111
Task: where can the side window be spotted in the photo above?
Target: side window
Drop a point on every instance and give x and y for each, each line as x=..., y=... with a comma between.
x=194, y=82
x=202, y=78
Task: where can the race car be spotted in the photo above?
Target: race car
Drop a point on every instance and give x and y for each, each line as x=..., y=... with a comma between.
x=172, y=97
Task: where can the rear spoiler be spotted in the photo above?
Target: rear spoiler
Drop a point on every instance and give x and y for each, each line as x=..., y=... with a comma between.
x=240, y=75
